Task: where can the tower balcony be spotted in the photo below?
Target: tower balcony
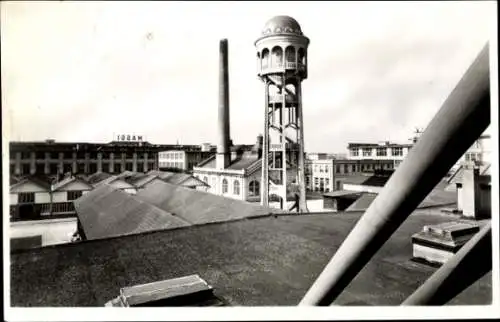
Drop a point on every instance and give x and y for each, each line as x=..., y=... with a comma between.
x=286, y=67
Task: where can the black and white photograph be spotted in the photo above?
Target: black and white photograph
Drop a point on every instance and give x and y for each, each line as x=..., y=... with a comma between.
x=261, y=158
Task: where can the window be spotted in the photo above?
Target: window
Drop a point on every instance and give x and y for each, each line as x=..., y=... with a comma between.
x=25, y=169
x=224, y=186
x=25, y=155
x=367, y=152
x=397, y=152
x=205, y=179
x=354, y=152
x=26, y=197
x=73, y=195
x=346, y=168
x=337, y=169
x=54, y=168
x=327, y=181
x=353, y=168
x=254, y=188
x=381, y=152
x=316, y=181
x=236, y=187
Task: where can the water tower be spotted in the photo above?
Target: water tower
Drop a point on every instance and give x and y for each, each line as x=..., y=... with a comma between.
x=282, y=66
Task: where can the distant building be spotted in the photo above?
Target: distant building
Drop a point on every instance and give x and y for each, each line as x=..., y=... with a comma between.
x=55, y=158
x=394, y=152
x=480, y=151
x=240, y=179
x=37, y=197
x=52, y=158
x=181, y=160
x=325, y=175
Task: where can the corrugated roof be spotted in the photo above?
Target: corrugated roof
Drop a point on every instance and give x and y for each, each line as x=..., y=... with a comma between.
x=61, y=184
x=107, y=212
x=373, y=181
x=262, y=262
x=44, y=182
x=199, y=207
x=241, y=162
x=97, y=177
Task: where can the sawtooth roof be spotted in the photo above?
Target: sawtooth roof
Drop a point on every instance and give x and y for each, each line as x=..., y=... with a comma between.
x=98, y=177
x=199, y=207
x=267, y=261
x=108, y=212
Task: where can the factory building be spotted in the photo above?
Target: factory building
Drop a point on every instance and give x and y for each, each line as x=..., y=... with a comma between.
x=394, y=152
x=328, y=174
x=38, y=197
x=53, y=158
x=181, y=160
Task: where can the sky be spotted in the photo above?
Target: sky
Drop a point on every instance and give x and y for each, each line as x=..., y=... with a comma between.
x=87, y=71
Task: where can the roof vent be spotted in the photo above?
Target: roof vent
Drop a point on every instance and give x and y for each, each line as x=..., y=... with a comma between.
x=189, y=290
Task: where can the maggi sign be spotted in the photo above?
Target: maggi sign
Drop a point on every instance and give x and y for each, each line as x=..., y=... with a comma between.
x=129, y=138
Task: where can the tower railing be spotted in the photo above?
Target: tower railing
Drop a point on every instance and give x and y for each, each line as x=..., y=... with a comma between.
x=463, y=117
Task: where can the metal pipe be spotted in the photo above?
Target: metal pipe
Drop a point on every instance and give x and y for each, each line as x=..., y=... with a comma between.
x=301, y=157
x=463, y=117
x=469, y=264
x=264, y=191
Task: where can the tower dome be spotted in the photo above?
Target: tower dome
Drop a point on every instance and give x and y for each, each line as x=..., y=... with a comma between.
x=282, y=25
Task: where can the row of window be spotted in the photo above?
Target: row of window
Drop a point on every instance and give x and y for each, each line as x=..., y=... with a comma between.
x=347, y=168
x=25, y=169
x=80, y=155
x=178, y=165
x=253, y=186
x=276, y=55
x=171, y=155
x=367, y=152
x=29, y=197
x=57, y=208
x=471, y=156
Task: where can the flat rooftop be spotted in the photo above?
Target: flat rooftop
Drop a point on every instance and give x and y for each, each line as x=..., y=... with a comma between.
x=264, y=261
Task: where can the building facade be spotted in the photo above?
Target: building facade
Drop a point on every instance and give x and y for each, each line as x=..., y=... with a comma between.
x=325, y=175
x=181, y=160
x=394, y=152
x=37, y=197
x=53, y=158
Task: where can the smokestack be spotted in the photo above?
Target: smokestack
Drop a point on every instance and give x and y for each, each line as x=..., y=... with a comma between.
x=223, y=151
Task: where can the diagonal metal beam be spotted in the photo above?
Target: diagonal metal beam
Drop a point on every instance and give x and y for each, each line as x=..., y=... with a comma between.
x=468, y=265
x=463, y=117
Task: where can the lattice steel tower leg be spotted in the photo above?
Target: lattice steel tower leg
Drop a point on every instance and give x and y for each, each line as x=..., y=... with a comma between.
x=282, y=66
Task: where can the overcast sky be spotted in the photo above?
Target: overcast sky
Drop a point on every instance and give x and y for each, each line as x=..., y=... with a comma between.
x=85, y=71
